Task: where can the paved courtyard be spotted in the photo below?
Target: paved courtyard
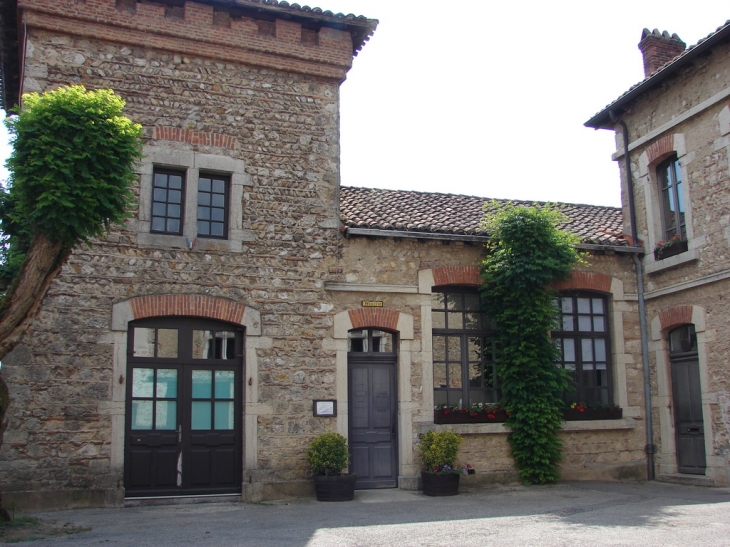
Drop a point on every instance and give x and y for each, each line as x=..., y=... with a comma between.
x=568, y=514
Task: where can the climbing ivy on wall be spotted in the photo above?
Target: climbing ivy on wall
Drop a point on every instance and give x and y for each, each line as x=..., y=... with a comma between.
x=527, y=253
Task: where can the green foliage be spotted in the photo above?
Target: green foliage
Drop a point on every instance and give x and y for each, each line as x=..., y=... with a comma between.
x=328, y=454
x=71, y=169
x=527, y=253
x=439, y=450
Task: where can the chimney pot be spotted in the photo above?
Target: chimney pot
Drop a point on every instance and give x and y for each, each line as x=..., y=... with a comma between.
x=659, y=48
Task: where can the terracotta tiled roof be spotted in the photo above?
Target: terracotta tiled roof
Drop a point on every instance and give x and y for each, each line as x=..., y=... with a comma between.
x=602, y=118
x=455, y=214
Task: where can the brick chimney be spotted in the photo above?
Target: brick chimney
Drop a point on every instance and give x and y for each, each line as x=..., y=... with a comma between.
x=658, y=49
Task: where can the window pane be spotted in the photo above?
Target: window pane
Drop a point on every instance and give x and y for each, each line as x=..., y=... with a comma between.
x=203, y=227
x=568, y=323
x=173, y=211
x=584, y=305
x=204, y=199
x=159, y=209
x=202, y=384
x=218, y=200
x=202, y=344
x=224, y=386
x=216, y=229
x=224, y=344
x=438, y=300
x=223, y=415
x=143, y=383
x=600, y=346
x=357, y=341
x=471, y=321
x=160, y=194
x=141, y=414
x=160, y=180
x=455, y=375
x=219, y=186
x=174, y=196
x=439, y=375
x=474, y=347
x=597, y=305
x=201, y=415
x=382, y=341
x=203, y=213
x=599, y=324
x=217, y=215
x=440, y=397
x=584, y=323
x=454, y=348
x=203, y=185
x=173, y=225
x=471, y=302
x=167, y=343
x=175, y=182
x=476, y=374
x=438, y=320
x=166, y=415
x=587, y=349
x=453, y=301
x=567, y=304
x=439, y=348
x=166, y=383
x=144, y=342
x=158, y=224
x=455, y=320
x=568, y=350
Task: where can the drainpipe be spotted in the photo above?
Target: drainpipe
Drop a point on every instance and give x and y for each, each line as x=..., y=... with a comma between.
x=649, y=449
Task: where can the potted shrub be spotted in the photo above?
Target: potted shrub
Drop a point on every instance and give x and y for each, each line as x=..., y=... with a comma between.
x=438, y=454
x=327, y=457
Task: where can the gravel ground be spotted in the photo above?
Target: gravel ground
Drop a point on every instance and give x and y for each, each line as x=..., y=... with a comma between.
x=567, y=514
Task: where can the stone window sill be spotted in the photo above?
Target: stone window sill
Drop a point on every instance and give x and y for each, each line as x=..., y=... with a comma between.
x=496, y=429
x=181, y=242
x=653, y=266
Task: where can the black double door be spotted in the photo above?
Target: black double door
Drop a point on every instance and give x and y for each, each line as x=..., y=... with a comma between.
x=372, y=421
x=184, y=409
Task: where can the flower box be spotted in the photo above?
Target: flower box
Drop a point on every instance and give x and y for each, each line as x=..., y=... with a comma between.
x=670, y=250
x=465, y=417
x=576, y=414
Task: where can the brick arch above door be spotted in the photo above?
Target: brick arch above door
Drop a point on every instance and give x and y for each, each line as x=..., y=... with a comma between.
x=379, y=318
x=188, y=305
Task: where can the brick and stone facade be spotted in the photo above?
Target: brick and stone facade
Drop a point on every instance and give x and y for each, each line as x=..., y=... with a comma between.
x=685, y=119
x=249, y=90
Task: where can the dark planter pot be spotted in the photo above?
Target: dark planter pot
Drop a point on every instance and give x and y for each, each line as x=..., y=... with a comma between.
x=466, y=418
x=666, y=252
x=574, y=415
x=440, y=484
x=335, y=487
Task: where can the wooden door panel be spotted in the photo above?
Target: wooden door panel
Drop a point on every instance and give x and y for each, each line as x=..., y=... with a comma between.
x=689, y=424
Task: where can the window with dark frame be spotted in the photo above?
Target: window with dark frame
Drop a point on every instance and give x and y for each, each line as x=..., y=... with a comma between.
x=463, y=349
x=213, y=192
x=583, y=338
x=669, y=175
x=167, y=201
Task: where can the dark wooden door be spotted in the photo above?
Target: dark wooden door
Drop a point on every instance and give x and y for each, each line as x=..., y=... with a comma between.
x=372, y=422
x=688, y=416
x=184, y=409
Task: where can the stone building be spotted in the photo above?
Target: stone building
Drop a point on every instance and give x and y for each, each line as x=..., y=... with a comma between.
x=673, y=133
x=187, y=352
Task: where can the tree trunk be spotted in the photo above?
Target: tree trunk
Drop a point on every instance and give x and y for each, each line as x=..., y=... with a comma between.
x=21, y=304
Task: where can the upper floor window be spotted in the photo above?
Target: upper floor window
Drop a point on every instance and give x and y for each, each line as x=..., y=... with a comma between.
x=669, y=176
x=168, y=193
x=463, y=349
x=213, y=206
x=583, y=338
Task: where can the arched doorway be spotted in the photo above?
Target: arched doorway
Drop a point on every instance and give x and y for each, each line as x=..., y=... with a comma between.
x=183, y=407
x=687, y=397
x=372, y=408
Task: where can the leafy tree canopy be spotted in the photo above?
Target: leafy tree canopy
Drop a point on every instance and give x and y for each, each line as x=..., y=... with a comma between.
x=72, y=168
x=526, y=254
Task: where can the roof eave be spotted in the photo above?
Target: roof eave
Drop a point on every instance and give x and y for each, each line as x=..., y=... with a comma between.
x=602, y=120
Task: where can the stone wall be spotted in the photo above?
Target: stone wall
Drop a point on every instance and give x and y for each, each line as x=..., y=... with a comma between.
x=230, y=101
x=688, y=115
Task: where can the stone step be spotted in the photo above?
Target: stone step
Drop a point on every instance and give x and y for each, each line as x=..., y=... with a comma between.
x=685, y=479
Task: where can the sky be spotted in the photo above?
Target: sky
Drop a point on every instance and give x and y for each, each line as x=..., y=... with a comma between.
x=488, y=98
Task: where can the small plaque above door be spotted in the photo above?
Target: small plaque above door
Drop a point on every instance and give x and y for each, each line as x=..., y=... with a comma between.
x=325, y=409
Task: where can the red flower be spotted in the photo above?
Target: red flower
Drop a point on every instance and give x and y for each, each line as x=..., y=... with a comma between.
x=446, y=411
x=490, y=416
